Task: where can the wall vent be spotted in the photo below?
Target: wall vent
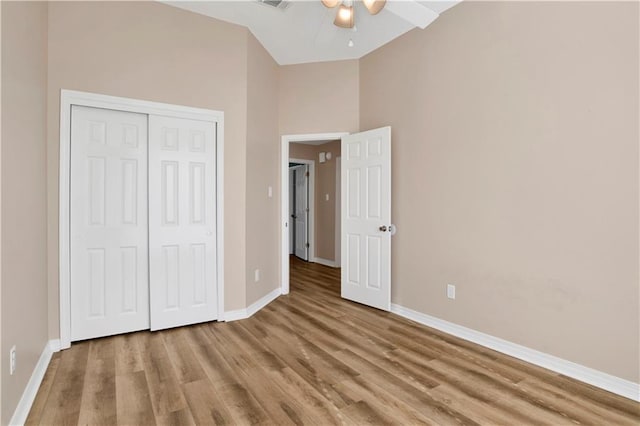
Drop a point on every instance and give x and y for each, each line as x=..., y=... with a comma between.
x=278, y=4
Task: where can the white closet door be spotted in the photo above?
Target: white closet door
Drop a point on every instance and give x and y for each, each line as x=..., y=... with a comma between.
x=109, y=252
x=182, y=222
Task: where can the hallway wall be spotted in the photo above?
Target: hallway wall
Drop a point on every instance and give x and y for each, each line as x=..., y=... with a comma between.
x=325, y=183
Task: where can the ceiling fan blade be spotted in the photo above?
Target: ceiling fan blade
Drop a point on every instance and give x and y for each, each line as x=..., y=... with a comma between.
x=330, y=3
x=344, y=17
x=374, y=6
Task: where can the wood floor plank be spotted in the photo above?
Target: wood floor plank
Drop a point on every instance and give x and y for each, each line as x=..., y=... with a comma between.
x=280, y=407
x=187, y=368
x=361, y=413
x=243, y=406
x=214, y=366
x=311, y=357
x=319, y=408
x=419, y=399
x=181, y=417
x=205, y=403
x=499, y=396
x=128, y=358
x=132, y=400
x=98, y=406
x=298, y=363
x=164, y=390
x=393, y=407
x=575, y=405
x=65, y=395
x=35, y=415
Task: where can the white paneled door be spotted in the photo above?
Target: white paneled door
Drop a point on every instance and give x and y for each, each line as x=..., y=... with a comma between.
x=182, y=221
x=292, y=209
x=366, y=218
x=301, y=218
x=108, y=219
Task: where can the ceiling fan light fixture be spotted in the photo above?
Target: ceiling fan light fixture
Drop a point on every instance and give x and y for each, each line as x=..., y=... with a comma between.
x=374, y=6
x=344, y=17
x=330, y=3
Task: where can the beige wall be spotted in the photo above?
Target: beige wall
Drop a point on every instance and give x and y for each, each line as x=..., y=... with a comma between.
x=319, y=97
x=151, y=51
x=263, y=213
x=24, y=194
x=325, y=183
x=515, y=173
x=1, y=346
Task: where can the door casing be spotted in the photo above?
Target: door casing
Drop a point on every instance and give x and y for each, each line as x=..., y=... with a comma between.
x=72, y=97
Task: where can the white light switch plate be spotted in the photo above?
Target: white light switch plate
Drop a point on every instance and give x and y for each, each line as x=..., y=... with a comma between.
x=451, y=291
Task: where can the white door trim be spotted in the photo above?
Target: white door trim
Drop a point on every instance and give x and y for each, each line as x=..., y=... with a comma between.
x=338, y=221
x=72, y=97
x=284, y=195
x=312, y=205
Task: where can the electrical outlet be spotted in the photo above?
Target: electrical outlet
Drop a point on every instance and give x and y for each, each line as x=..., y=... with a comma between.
x=451, y=291
x=256, y=275
x=326, y=197
x=12, y=360
x=270, y=192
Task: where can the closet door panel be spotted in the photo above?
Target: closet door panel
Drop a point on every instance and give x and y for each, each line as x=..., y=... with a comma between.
x=108, y=222
x=182, y=222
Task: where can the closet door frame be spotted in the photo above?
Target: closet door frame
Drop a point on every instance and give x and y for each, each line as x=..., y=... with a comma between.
x=72, y=97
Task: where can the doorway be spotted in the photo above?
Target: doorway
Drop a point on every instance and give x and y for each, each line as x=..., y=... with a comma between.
x=301, y=208
x=320, y=152
x=365, y=203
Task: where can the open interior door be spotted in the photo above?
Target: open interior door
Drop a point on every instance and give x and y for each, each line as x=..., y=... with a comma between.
x=366, y=218
x=301, y=217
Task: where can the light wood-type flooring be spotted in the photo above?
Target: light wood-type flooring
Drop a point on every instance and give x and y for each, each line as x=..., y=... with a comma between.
x=310, y=358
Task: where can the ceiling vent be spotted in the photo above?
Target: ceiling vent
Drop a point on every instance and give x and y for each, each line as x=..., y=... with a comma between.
x=278, y=4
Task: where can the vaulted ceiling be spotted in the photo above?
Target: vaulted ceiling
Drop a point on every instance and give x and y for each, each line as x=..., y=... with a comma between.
x=302, y=31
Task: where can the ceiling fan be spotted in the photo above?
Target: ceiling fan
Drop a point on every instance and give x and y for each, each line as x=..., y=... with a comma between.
x=345, y=15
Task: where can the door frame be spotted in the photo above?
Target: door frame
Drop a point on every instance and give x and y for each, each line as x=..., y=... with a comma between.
x=284, y=195
x=87, y=99
x=311, y=230
x=337, y=253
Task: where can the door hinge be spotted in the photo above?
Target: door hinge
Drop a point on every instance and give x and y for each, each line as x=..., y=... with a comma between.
x=307, y=174
x=307, y=245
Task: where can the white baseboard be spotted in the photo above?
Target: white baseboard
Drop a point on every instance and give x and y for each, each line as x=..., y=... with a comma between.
x=324, y=262
x=239, y=314
x=596, y=378
x=29, y=395
x=235, y=315
x=55, y=345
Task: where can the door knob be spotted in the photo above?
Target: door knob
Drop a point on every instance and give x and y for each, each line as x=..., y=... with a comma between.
x=383, y=228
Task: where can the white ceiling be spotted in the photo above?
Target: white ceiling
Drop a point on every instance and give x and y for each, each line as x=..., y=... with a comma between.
x=304, y=31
